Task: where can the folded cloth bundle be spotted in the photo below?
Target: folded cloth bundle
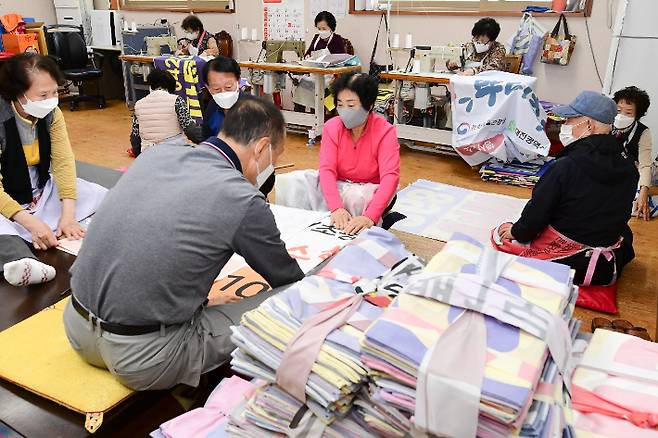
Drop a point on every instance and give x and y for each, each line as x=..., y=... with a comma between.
x=327, y=373
x=399, y=345
x=212, y=418
x=514, y=173
x=272, y=412
x=546, y=417
x=615, y=387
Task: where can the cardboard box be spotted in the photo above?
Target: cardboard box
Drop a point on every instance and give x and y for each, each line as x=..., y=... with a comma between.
x=20, y=43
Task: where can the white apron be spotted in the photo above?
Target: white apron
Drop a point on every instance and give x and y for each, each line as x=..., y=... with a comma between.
x=301, y=189
x=48, y=207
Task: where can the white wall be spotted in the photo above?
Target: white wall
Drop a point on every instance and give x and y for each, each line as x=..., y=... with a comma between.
x=635, y=58
x=41, y=10
x=555, y=83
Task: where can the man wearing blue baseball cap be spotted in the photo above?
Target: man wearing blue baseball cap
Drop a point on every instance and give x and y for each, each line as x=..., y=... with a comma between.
x=579, y=211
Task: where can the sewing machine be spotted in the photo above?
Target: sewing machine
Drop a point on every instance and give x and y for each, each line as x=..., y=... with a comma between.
x=433, y=58
x=161, y=45
x=274, y=49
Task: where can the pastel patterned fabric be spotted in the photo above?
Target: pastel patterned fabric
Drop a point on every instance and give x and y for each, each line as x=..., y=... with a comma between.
x=337, y=372
x=397, y=342
x=615, y=387
x=210, y=420
x=271, y=412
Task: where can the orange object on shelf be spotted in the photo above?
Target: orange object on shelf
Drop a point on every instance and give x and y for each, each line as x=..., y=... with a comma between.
x=20, y=43
x=559, y=5
x=13, y=23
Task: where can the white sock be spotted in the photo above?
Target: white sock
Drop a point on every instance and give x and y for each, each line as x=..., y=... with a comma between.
x=28, y=271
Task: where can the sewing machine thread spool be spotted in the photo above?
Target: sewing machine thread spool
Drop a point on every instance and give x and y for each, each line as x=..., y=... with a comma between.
x=244, y=33
x=416, y=66
x=359, y=5
x=254, y=34
x=396, y=41
x=408, y=41
x=268, y=83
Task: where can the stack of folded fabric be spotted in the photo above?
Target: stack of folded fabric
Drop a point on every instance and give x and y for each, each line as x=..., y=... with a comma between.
x=271, y=412
x=546, y=415
x=335, y=371
x=264, y=334
x=426, y=333
x=212, y=418
x=615, y=387
x=515, y=173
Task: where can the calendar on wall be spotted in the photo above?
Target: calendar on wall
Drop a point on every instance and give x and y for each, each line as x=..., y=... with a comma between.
x=336, y=7
x=283, y=20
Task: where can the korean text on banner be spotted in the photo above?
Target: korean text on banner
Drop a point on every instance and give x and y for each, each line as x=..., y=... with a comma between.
x=497, y=114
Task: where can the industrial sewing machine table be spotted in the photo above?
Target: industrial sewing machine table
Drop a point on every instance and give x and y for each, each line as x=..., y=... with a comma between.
x=314, y=121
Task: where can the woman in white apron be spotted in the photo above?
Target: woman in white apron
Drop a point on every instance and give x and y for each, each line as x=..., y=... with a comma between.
x=40, y=197
x=359, y=162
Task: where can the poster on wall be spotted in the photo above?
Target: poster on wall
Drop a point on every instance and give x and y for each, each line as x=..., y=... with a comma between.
x=336, y=7
x=283, y=20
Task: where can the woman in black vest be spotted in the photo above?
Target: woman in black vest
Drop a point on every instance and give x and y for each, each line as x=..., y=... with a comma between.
x=35, y=204
x=632, y=105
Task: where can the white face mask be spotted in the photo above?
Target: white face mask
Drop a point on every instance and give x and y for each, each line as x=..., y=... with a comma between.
x=40, y=108
x=566, y=133
x=623, y=121
x=191, y=35
x=324, y=34
x=480, y=47
x=226, y=99
x=266, y=173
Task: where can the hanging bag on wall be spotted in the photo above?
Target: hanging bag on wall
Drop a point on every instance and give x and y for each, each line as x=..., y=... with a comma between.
x=527, y=42
x=376, y=69
x=557, y=49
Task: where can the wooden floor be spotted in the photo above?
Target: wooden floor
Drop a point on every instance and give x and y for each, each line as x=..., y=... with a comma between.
x=101, y=137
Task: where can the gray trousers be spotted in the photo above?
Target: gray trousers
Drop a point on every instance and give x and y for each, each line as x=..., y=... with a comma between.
x=13, y=248
x=161, y=360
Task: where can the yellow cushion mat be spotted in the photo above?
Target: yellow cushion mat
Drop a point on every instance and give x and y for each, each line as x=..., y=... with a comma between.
x=37, y=356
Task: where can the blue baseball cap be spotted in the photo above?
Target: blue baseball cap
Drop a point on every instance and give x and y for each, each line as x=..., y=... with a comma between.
x=589, y=104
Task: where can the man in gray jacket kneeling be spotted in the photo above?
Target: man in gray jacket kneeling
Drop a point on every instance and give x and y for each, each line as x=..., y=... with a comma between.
x=162, y=235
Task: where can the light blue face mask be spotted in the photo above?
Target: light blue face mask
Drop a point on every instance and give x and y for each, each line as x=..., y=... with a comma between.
x=353, y=117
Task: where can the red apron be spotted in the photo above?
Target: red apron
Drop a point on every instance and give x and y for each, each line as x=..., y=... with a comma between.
x=552, y=245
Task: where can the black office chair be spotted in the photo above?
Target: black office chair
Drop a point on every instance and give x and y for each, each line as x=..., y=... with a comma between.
x=66, y=44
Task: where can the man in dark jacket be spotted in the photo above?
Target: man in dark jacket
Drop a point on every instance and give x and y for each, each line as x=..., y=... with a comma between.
x=579, y=211
x=222, y=78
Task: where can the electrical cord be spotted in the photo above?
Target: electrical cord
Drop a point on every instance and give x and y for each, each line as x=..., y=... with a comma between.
x=629, y=37
x=591, y=49
x=609, y=15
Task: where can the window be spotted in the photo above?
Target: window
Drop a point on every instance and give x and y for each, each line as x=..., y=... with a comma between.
x=504, y=7
x=179, y=5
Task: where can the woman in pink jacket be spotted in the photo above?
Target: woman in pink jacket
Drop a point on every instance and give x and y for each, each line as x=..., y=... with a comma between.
x=358, y=147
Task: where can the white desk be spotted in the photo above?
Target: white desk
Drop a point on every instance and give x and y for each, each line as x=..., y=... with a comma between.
x=107, y=48
x=314, y=121
x=442, y=138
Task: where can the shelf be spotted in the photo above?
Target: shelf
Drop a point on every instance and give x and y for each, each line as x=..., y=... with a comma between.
x=472, y=13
